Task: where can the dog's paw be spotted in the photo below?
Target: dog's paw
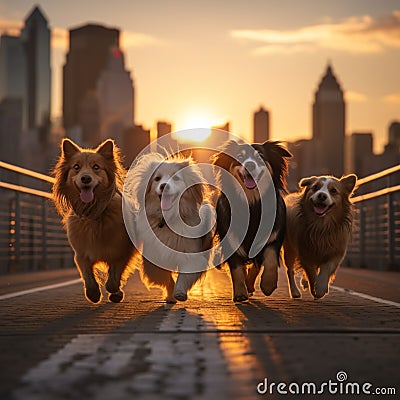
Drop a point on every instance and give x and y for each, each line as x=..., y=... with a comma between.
x=268, y=288
x=295, y=294
x=112, y=287
x=116, y=297
x=93, y=294
x=181, y=296
x=320, y=292
x=240, y=298
x=170, y=300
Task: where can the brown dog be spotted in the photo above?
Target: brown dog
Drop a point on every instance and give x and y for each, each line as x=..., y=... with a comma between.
x=318, y=228
x=87, y=194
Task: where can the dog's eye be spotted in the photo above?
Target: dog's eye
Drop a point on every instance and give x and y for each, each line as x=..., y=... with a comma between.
x=96, y=167
x=333, y=191
x=314, y=188
x=76, y=167
x=240, y=157
x=175, y=178
x=157, y=178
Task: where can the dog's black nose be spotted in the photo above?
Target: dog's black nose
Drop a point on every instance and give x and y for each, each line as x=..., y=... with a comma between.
x=250, y=166
x=86, y=179
x=322, y=196
x=164, y=186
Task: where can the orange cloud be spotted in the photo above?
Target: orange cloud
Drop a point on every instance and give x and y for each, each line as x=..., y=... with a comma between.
x=60, y=37
x=393, y=98
x=9, y=27
x=356, y=97
x=363, y=34
x=137, y=39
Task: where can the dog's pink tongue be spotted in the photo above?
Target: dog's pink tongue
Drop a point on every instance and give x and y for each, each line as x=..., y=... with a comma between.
x=87, y=195
x=249, y=182
x=166, y=202
x=320, y=210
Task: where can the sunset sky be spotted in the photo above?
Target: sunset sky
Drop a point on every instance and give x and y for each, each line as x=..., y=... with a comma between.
x=218, y=61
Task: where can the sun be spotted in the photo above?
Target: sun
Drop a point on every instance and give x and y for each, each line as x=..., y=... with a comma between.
x=194, y=128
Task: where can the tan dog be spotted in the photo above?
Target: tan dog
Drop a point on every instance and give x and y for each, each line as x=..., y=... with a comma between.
x=318, y=228
x=87, y=195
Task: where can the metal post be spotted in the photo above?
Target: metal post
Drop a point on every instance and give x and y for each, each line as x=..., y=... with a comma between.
x=391, y=230
x=17, y=237
x=362, y=237
x=44, y=233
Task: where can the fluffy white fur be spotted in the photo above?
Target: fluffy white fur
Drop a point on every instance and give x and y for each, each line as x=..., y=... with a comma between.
x=156, y=184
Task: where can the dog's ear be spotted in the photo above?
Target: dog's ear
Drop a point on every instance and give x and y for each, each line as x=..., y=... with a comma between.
x=69, y=148
x=221, y=160
x=349, y=182
x=106, y=149
x=278, y=148
x=307, y=181
x=226, y=154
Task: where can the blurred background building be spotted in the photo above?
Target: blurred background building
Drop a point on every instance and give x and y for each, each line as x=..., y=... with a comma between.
x=261, y=126
x=88, y=55
x=324, y=153
x=99, y=102
x=25, y=94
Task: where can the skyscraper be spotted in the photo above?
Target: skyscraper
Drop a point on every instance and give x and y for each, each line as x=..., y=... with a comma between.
x=10, y=129
x=394, y=136
x=115, y=95
x=163, y=128
x=35, y=37
x=25, y=72
x=12, y=68
x=359, y=149
x=261, y=126
x=329, y=125
x=88, y=56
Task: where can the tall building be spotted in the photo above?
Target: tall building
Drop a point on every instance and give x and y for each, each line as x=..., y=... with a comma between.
x=135, y=139
x=88, y=55
x=25, y=71
x=329, y=125
x=165, y=141
x=10, y=129
x=261, y=126
x=163, y=128
x=359, y=149
x=25, y=92
x=302, y=164
x=35, y=37
x=115, y=93
x=394, y=137
x=12, y=69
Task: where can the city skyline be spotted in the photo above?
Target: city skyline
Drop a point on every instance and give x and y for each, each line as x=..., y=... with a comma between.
x=223, y=62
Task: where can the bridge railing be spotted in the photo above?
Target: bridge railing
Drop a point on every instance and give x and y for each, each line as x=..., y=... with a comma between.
x=31, y=234
x=375, y=240
x=32, y=238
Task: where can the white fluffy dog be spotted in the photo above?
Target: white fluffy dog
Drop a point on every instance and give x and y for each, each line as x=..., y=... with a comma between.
x=173, y=222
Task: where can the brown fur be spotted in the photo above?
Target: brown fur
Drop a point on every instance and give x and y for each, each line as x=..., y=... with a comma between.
x=95, y=229
x=317, y=244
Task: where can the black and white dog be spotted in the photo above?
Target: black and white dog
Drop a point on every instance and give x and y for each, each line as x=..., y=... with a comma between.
x=253, y=240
